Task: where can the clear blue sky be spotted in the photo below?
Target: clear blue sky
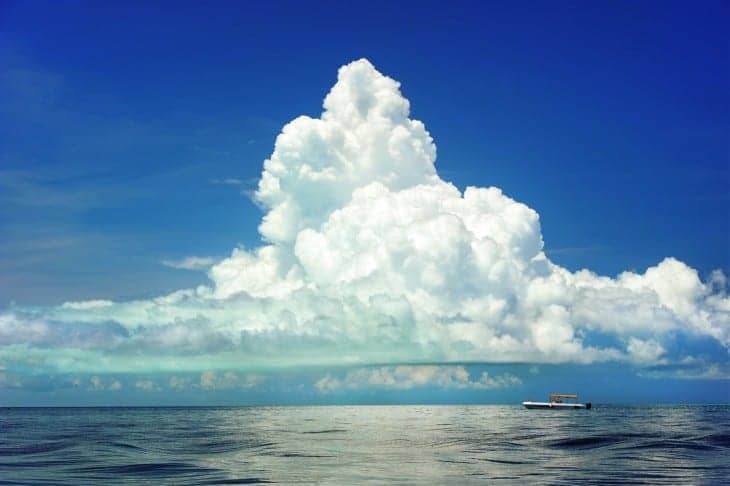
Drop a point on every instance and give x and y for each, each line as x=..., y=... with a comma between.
x=121, y=121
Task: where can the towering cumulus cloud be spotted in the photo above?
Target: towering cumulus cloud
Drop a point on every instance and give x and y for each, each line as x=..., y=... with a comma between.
x=370, y=258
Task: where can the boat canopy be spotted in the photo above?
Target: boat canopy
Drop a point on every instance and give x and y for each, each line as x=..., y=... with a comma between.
x=555, y=397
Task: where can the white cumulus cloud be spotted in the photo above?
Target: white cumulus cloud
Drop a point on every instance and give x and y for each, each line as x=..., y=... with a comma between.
x=371, y=257
x=147, y=385
x=100, y=384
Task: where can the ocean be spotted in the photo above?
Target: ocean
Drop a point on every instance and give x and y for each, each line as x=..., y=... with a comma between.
x=365, y=444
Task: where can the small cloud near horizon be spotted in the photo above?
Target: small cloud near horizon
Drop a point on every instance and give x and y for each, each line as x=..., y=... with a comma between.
x=191, y=263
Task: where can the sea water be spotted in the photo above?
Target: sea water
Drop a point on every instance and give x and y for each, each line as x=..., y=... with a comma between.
x=365, y=444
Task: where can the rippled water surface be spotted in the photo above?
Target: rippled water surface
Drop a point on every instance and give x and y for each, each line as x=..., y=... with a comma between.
x=346, y=445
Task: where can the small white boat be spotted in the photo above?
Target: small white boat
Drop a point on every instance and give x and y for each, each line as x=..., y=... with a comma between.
x=557, y=402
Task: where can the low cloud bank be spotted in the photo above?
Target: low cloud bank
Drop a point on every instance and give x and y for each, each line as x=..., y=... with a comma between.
x=407, y=377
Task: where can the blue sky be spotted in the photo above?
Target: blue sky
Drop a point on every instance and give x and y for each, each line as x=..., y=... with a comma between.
x=135, y=134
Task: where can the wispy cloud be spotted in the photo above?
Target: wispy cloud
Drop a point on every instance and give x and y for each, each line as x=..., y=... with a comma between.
x=246, y=187
x=690, y=368
x=229, y=181
x=191, y=263
x=571, y=250
x=32, y=190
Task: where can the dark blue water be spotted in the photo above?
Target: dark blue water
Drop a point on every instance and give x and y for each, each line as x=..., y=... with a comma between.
x=351, y=445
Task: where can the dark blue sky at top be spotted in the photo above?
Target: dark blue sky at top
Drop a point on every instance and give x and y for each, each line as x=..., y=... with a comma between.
x=117, y=118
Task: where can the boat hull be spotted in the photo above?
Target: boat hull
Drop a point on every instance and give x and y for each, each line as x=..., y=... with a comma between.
x=556, y=406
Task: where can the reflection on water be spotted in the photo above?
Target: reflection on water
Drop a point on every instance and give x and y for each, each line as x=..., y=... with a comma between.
x=344, y=445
